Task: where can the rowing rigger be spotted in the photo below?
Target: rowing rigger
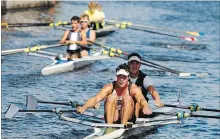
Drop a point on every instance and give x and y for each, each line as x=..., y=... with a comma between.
x=118, y=131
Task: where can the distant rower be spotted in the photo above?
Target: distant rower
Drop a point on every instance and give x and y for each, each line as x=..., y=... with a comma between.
x=90, y=34
x=96, y=15
x=75, y=38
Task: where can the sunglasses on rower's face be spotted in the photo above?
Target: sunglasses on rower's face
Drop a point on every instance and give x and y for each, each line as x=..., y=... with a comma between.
x=84, y=21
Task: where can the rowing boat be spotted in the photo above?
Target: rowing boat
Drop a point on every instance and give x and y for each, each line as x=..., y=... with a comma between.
x=142, y=125
x=161, y=116
x=65, y=65
x=105, y=31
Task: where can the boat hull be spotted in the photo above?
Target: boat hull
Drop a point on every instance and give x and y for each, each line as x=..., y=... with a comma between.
x=146, y=127
x=105, y=31
x=67, y=66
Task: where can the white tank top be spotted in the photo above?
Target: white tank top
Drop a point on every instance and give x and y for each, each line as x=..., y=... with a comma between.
x=74, y=36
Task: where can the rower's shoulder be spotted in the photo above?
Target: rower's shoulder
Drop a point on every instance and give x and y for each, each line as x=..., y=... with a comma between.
x=92, y=31
x=67, y=31
x=108, y=86
x=134, y=88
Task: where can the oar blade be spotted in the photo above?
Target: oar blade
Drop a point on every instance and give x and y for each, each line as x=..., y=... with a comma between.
x=185, y=74
x=31, y=102
x=191, y=39
x=196, y=33
x=11, y=111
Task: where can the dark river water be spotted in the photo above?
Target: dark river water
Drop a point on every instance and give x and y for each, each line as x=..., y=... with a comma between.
x=21, y=74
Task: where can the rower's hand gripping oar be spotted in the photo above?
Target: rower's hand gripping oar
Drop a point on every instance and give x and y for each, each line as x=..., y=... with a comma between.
x=194, y=33
x=29, y=49
x=192, y=108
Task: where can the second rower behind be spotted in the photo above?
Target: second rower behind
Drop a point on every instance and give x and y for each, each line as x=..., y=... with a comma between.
x=90, y=34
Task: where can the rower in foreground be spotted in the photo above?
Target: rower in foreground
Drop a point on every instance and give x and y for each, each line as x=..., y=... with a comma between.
x=90, y=34
x=120, y=96
x=76, y=39
x=143, y=82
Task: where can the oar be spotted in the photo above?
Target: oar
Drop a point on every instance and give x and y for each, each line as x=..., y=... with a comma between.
x=112, y=54
x=156, y=66
x=31, y=104
x=174, y=36
x=52, y=24
x=193, y=108
x=29, y=49
x=179, y=73
x=195, y=33
x=182, y=115
x=13, y=109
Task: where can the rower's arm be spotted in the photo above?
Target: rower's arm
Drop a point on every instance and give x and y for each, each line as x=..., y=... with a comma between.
x=153, y=93
x=148, y=84
x=84, y=40
x=64, y=38
x=92, y=36
x=99, y=97
x=139, y=97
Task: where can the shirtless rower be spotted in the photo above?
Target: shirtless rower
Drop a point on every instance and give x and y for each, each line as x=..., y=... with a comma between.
x=120, y=98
